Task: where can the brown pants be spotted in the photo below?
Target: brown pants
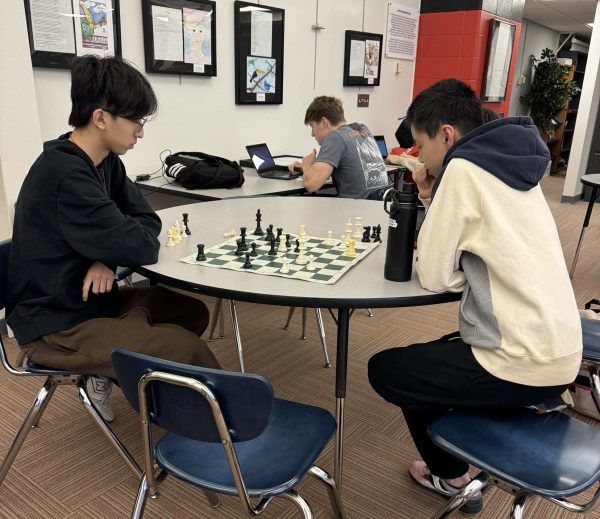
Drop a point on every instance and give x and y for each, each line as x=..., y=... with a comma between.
x=153, y=321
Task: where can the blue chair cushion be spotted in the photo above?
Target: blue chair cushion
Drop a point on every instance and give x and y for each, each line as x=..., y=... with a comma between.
x=552, y=454
x=271, y=463
x=591, y=339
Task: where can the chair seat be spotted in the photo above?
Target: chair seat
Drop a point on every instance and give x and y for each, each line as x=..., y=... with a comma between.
x=271, y=464
x=519, y=446
x=38, y=369
x=591, y=339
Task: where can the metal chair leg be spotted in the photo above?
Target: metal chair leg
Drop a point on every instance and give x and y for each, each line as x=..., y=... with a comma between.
x=477, y=484
x=124, y=453
x=140, y=500
x=216, y=317
x=586, y=222
x=595, y=378
x=321, y=328
x=221, y=321
x=370, y=314
x=517, y=510
x=332, y=491
x=45, y=403
x=300, y=502
x=236, y=333
x=213, y=499
x=289, y=317
x=303, y=335
x=39, y=404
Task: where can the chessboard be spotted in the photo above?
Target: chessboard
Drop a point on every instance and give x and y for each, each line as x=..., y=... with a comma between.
x=330, y=261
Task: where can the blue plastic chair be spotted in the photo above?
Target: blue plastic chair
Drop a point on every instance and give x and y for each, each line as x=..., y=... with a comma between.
x=53, y=379
x=227, y=434
x=591, y=352
x=550, y=455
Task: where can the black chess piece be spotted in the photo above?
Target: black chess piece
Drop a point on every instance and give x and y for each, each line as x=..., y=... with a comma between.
x=253, y=253
x=185, y=223
x=365, y=238
x=378, y=235
x=297, y=249
x=239, y=251
x=272, y=251
x=288, y=245
x=201, y=256
x=374, y=233
x=258, y=231
x=244, y=245
x=279, y=233
x=269, y=233
x=247, y=264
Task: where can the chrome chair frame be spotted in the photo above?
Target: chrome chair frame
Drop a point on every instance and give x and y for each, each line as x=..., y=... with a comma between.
x=150, y=478
x=218, y=318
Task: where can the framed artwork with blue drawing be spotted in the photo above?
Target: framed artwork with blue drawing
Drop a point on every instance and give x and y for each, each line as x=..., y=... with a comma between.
x=180, y=37
x=259, y=31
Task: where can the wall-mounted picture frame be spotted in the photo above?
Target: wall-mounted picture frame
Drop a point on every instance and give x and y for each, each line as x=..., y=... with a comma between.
x=259, y=33
x=180, y=37
x=61, y=30
x=362, y=58
x=497, y=64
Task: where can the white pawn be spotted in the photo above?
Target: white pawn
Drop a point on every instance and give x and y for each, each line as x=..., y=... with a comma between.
x=348, y=229
x=170, y=240
x=301, y=258
x=311, y=264
x=329, y=240
x=229, y=234
x=182, y=234
x=284, y=269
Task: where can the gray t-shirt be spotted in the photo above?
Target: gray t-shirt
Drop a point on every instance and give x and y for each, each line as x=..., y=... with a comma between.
x=358, y=167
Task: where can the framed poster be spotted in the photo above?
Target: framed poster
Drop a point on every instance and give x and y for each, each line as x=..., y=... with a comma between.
x=180, y=37
x=499, y=54
x=362, y=58
x=61, y=30
x=258, y=53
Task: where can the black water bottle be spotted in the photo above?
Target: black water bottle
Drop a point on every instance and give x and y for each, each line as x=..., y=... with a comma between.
x=403, y=207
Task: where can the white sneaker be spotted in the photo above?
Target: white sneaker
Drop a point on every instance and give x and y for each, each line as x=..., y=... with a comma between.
x=98, y=389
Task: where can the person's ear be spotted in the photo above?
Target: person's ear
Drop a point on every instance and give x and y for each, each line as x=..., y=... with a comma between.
x=450, y=135
x=99, y=118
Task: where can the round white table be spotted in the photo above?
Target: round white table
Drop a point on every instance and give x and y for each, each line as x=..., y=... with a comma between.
x=363, y=286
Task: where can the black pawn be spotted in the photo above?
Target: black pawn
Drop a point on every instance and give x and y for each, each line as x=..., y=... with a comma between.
x=279, y=233
x=253, y=253
x=365, y=238
x=185, y=223
x=288, y=245
x=297, y=249
x=247, y=264
x=272, y=251
x=269, y=233
x=239, y=251
x=258, y=231
x=201, y=256
x=374, y=233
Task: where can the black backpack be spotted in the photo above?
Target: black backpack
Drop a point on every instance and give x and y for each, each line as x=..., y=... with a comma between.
x=197, y=170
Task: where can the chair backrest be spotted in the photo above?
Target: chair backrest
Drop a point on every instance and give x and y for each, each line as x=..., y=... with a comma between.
x=245, y=399
x=4, y=255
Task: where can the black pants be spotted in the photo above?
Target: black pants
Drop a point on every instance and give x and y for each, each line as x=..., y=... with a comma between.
x=427, y=380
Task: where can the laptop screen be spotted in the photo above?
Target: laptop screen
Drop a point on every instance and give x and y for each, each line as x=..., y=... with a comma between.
x=380, y=140
x=261, y=157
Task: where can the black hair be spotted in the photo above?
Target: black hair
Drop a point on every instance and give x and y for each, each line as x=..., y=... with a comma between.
x=403, y=135
x=112, y=84
x=448, y=101
x=489, y=115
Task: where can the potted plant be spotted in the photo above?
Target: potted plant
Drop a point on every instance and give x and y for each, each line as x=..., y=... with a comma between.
x=549, y=91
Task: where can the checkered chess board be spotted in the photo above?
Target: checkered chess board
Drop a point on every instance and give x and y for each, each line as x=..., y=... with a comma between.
x=329, y=259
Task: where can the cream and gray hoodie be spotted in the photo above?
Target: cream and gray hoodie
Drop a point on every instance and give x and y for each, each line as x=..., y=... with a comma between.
x=489, y=232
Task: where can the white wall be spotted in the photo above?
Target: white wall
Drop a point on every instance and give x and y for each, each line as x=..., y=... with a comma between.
x=534, y=38
x=200, y=113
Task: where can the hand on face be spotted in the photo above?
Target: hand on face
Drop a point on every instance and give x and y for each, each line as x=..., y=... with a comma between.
x=424, y=182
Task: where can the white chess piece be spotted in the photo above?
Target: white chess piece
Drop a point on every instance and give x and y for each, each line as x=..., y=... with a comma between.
x=284, y=269
x=357, y=228
x=301, y=259
x=329, y=240
x=170, y=241
x=311, y=264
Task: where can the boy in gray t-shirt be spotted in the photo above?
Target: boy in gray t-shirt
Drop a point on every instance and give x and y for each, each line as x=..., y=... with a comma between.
x=348, y=154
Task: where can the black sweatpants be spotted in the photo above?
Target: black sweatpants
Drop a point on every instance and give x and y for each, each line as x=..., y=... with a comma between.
x=427, y=380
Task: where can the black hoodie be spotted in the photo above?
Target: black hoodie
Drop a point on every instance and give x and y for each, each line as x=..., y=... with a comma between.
x=69, y=215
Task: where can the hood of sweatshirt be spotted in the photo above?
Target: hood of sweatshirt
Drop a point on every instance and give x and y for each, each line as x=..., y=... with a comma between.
x=510, y=149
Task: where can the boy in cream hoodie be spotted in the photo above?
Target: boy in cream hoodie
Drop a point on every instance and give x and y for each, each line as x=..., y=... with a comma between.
x=489, y=233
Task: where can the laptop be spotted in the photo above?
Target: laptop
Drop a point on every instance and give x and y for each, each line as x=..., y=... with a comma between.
x=268, y=167
x=380, y=140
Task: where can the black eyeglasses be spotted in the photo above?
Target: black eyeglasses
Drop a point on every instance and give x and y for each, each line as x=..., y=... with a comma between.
x=140, y=122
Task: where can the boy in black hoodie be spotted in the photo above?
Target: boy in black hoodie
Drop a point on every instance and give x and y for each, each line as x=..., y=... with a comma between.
x=77, y=218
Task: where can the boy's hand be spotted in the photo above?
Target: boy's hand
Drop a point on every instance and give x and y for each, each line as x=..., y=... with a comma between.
x=294, y=165
x=309, y=160
x=424, y=182
x=100, y=278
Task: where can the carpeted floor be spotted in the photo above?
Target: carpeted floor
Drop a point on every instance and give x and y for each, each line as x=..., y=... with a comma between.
x=67, y=470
